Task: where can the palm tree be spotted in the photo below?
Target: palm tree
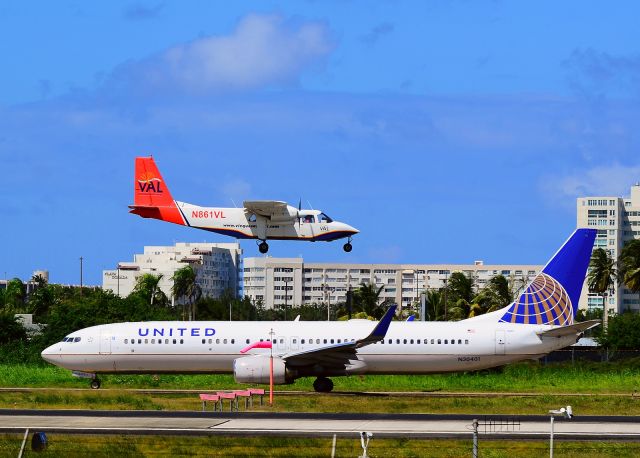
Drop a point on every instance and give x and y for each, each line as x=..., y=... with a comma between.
x=15, y=295
x=629, y=266
x=367, y=298
x=459, y=286
x=148, y=286
x=434, y=305
x=185, y=286
x=601, y=277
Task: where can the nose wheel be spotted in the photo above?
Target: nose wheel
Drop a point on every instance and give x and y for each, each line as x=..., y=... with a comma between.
x=347, y=246
x=95, y=384
x=263, y=247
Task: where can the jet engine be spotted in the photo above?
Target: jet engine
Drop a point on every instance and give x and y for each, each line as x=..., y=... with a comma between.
x=255, y=369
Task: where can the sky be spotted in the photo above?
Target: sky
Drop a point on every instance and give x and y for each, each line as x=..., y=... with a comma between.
x=445, y=131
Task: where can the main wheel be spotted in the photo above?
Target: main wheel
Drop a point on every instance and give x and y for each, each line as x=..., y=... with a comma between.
x=323, y=385
x=95, y=383
x=263, y=247
x=347, y=247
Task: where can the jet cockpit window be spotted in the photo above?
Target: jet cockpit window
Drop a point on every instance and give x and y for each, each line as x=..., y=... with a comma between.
x=324, y=218
x=77, y=339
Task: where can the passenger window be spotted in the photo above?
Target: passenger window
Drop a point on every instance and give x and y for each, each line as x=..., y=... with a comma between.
x=233, y=341
x=432, y=341
x=445, y=341
x=339, y=341
x=159, y=341
x=411, y=341
x=390, y=341
x=174, y=341
x=217, y=341
x=153, y=341
x=302, y=341
x=325, y=340
x=426, y=341
x=247, y=340
x=166, y=341
x=281, y=341
x=453, y=341
x=210, y=341
x=459, y=341
x=260, y=340
x=439, y=341
x=405, y=341
x=181, y=341
x=309, y=219
x=224, y=341
x=203, y=340
x=317, y=341
x=126, y=340
x=398, y=341
x=331, y=340
x=139, y=341
x=295, y=340
x=146, y=341
x=466, y=342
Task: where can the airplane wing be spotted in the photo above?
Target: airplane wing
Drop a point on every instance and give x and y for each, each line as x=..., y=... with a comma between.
x=338, y=356
x=265, y=208
x=576, y=328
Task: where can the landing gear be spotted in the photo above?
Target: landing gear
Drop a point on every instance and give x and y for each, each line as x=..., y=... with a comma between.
x=95, y=383
x=323, y=385
x=263, y=247
x=347, y=246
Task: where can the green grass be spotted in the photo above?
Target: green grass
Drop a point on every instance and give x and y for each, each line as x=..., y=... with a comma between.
x=583, y=377
x=502, y=405
x=218, y=446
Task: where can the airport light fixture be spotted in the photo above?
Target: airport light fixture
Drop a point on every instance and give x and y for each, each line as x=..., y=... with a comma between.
x=566, y=412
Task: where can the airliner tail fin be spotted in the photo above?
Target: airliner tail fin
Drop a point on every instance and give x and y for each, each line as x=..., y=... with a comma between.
x=552, y=297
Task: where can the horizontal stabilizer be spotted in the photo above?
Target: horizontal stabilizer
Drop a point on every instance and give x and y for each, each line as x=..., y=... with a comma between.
x=577, y=328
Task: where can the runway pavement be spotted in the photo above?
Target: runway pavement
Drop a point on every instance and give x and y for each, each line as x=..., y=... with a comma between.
x=317, y=425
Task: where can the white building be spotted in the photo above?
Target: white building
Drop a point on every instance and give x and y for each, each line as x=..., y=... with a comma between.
x=617, y=220
x=216, y=265
x=275, y=281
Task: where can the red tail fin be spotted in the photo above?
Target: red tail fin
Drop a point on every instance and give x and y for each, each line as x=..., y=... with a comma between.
x=151, y=198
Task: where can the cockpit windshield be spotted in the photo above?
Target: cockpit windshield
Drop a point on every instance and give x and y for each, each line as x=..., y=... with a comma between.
x=323, y=218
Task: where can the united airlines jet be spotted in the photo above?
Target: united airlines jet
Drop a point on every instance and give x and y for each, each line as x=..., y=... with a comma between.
x=539, y=321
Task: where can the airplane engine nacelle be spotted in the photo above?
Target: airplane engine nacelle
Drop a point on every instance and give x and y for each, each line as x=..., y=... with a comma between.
x=288, y=214
x=255, y=369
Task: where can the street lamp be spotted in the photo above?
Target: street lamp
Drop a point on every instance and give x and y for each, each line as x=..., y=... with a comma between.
x=566, y=412
x=327, y=295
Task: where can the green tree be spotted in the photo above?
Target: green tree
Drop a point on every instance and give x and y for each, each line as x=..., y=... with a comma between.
x=434, y=305
x=367, y=299
x=623, y=332
x=11, y=329
x=495, y=295
x=601, y=278
x=185, y=287
x=629, y=266
x=459, y=286
x=15, y=296
x=148, y=287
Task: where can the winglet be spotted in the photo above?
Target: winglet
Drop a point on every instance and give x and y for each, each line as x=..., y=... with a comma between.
x=381, y=328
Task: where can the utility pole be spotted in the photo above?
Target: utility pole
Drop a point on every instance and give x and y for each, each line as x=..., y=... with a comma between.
x=286, y=297
x=118, y=271
x=81, y=275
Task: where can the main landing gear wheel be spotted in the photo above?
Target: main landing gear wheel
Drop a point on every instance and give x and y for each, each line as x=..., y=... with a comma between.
x=323, y=385
x=263, y=247
x=95, y=383
x=347, y=247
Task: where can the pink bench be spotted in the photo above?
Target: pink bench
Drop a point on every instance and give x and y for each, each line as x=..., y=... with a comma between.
x=246, y=394
x=259, y=391
x=211, y=398
x=233, y=400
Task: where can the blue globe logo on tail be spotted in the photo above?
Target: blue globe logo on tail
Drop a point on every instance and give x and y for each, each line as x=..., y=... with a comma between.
x=544, y=301
x=552, y=297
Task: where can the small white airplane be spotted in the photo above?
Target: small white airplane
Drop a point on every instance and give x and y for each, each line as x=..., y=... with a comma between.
x=538, y=322
x=259, y=219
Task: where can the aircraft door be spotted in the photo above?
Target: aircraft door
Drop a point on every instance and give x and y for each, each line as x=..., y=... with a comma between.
x=307, y=223
x=105, y=343
x=501, y=343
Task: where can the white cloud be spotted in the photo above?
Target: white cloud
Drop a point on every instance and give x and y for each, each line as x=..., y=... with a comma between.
x=263, y=50
x=611, y=180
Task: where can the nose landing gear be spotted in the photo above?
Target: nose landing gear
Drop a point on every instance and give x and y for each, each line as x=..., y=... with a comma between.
x=347, y=246
x=95, y=383
x=263, y=247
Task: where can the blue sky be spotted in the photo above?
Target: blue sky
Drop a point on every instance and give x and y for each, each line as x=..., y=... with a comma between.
x=446, y=131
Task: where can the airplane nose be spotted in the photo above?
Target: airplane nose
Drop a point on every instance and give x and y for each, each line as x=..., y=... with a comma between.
x=50, y=354
x=351, y=229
